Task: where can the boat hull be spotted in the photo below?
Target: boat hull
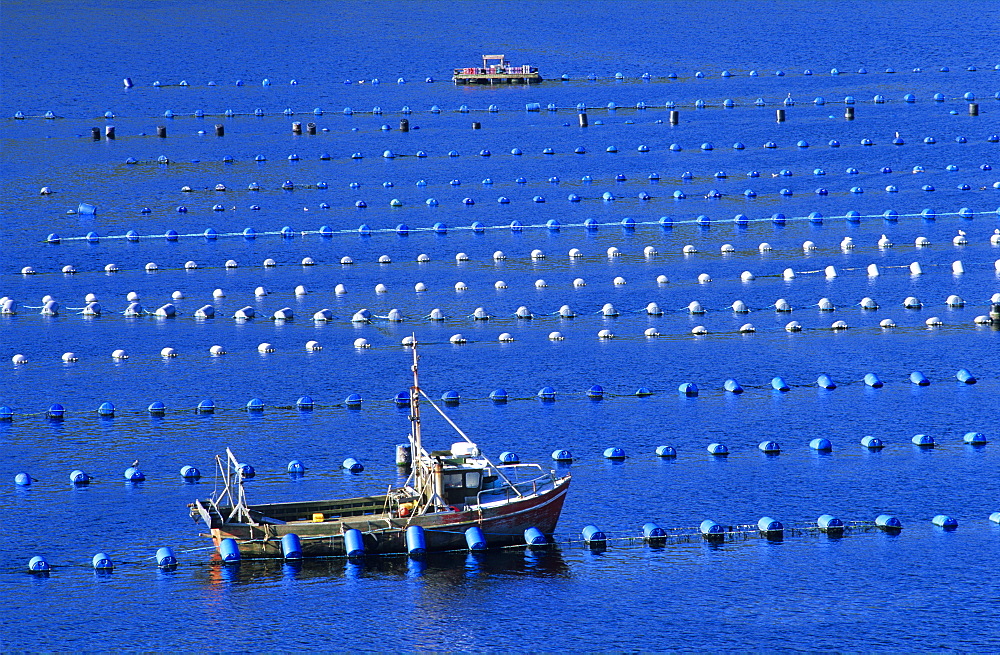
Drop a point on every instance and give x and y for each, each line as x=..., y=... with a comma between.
x=503, y=524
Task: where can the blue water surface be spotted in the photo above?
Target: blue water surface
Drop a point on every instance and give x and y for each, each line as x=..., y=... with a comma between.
x=257, y=68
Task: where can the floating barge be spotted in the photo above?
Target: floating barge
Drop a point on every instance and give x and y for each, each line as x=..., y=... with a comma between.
x=497, y=70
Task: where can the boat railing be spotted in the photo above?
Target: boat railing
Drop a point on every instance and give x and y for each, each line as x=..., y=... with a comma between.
x=542, y=481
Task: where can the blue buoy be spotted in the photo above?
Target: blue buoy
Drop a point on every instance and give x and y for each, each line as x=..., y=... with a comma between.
x=888, y=523
x=824, y=381
x=614, y=454
x=354, y=401
x=534, y=537
x=246, y=471
x=923, y=440
x=918, y=378
x=304, y=403
x=102, y=562
x=711, y=530
x=229, y=551
x=718, y=449
x=416, y=543
x=769, y=527
x=165, y=559
x=451, y=398
x=965, y=376
x=295, y=468
x=595, y=392
x=593, y=537
x=666, y=452
x=6, y=413
x=354, y=543
x=769, y=447
x=402, y=399
x=37, y=564
x=475, y=539
x=22, y=480
x=688, y=389
x=974, y=438
x=945, y=521
x=133, y=474
x=562, y=455
x=78, y=478
x=547, y=394
x=106, y=409
x=778, y=384
x=190, y=473
x=498, y=395
x=352, y=465
x=830, y=524
x=157, y=408
x=291, y=546
x=55, y=412
x=653, y=533
x=255, y=405
x=508, y=457
x=206, y=407
x=821, y=445
x=872, y=443
x=873, y=381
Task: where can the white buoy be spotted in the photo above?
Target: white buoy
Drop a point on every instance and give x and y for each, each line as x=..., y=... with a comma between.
x=190, y=265
x=361, y=316
x=605, y=334
x=340, y=289
x=536, y=254
x=177, y=295
x=168, y=352
x=996, y=265
x=788, y=274
x=575, y=253
x=740, y=307
x=90, y=297
x=847, y=243
x=915, y=269
x=746, y=328
x=132, y=296
x=873, y=270
x=461, y=257
x=884, y=242
x=578, y=283
x=694, y=307
x=825, y=305
x=868, y=303
x=313, y=346
x=384, y=259
x=995, y=298
x=566, y=312
x=70, y=357
x=955, y=301
x=912, y=303
x=270, y=263
x=556, y=336
x=540, y=284
x=423, y=258
x=957, y=268
x=649, y=251
x=119, y=354
x=499, y=256
x=505, y=337
x=886, y=323
x=727, y=248
x=651, y=332
x=994, y=238
x=747, y=276
x=111, y=268
x=499, y=284
x=151, y=267
x=380, y=288
x=662, y=279
x=265, y=348
x=699, y=330
x=420, y=287
x=323, y=315
x=347, y=261
x=609, y=310
x=960, y=240
x=982, y=320
x=436, y=315
x=260, y=292
x=231, y=263
x=922, y=242
x=793, y=326
x=218, y=293
x=283, y=314
x=19, y=359
x=704, y=278
x=308, y=261
x=933, y=321
x=614, y=252
x=808, y=246
x=619, y=281
x=28, y=270
x=781, y=305
x=831, y=272
x=408, y=341
x=457, y=339
x=652, y=309
x=69, y=269
x=689, y=249
x=839, y=325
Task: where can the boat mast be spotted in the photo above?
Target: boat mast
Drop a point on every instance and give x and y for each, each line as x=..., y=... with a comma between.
x=415, y=444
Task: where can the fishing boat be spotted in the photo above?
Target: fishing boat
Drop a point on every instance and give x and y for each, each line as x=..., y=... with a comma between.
x=453, y=499
x=497, y=70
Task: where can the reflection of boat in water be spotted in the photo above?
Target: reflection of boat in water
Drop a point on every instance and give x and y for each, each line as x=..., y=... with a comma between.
x=453, y=499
